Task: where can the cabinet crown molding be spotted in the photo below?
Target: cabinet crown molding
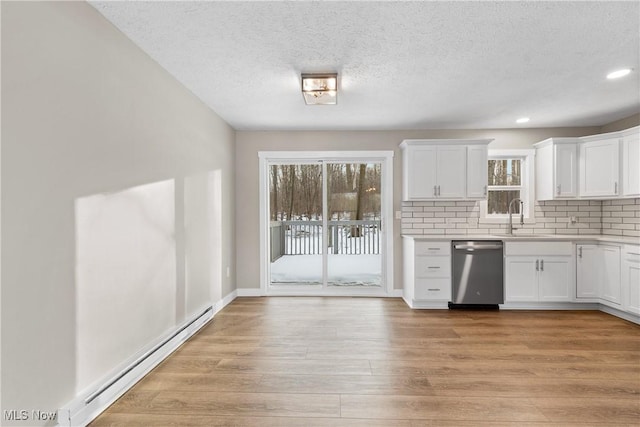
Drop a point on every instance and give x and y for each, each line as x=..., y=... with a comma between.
x=610, y=135
x=407, y=142
x=561, y=140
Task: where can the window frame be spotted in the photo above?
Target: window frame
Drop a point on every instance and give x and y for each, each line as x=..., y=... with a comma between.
x=526, y=187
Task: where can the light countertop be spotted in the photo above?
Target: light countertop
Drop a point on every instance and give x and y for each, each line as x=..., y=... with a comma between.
x=529, y=237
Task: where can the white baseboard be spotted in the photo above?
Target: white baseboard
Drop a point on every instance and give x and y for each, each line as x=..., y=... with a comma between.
x=621, y=314
x=224, y=302
x=249, y=292
x=548, y=306
x=79, y=413
x=430, y=305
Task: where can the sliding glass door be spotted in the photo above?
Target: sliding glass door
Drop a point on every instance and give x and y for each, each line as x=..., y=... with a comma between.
x=325, y=226
x=296, y=224
x=353, y=225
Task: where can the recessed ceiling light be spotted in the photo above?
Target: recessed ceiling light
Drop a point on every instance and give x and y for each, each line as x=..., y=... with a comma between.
x=618, y=73
x=522, y=120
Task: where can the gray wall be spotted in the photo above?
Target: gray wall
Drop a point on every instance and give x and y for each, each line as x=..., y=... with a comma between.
x=622, y=124
x=247, y=182
x=86, y=113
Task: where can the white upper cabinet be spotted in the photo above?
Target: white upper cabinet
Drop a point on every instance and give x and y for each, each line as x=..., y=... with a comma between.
x=600, y=167
x=605, y=166
x=631, y=162
x=442, y=169
x=557, y=168
x=451, y=164
x=420, y=182
x=477, y=171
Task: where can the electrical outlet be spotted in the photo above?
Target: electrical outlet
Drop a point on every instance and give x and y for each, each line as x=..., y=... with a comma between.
x=573, y=219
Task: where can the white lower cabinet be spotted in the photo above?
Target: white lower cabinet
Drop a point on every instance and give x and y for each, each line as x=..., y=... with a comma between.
x=587, y=272
x=427, y=273
x=631, y=279
x=599, y=274
x=538, y=272
x=611, y=290
x=521, y=279
x=538, y=278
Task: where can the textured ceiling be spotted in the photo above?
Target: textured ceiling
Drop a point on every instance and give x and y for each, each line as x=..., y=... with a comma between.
x=401, y=65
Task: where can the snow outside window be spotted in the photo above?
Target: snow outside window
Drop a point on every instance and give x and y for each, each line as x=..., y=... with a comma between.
x=510, y=176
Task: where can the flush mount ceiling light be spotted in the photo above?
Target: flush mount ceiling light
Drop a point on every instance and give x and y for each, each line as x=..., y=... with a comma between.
x=320, y=89
x=522, y=120
x=618, y=73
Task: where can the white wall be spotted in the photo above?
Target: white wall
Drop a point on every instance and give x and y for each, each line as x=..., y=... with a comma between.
x=87, y=120
x=247, y=186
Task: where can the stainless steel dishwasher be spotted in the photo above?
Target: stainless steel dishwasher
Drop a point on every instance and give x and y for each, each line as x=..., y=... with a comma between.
x=478, y=275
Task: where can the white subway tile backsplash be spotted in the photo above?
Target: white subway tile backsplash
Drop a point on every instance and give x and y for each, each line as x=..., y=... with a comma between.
x=615, y=217
x=623, y=202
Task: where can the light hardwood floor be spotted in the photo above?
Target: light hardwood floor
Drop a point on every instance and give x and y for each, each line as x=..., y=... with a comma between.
x=375, y=362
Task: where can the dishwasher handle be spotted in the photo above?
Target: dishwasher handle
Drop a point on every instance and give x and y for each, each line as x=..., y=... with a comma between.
x=486, y=246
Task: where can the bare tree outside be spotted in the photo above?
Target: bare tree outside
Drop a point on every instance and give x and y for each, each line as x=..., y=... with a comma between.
x=505, y=183
x=300, y=236
x=296, y=191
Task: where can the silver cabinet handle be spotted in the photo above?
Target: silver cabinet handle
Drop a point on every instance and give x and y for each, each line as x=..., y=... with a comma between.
x=537, y=265
x=541, y=265
x=435, y=190
x=438, y=190
x=580, y=252
x=485, y=190
x=558, y=190
x=433, y=249
x=433, y=289
x=433, y=267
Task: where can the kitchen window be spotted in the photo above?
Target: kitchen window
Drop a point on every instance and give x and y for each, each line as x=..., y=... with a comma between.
x=510, y=176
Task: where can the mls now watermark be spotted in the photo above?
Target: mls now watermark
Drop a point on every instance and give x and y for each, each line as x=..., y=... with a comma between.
x=33, y=415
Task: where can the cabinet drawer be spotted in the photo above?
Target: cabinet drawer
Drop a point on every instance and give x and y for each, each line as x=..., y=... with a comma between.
x=433, y=289
x=428, y=266
x=433, y=248
x=538, y=248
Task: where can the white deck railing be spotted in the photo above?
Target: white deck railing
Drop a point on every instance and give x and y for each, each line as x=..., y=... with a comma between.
x=348, y=237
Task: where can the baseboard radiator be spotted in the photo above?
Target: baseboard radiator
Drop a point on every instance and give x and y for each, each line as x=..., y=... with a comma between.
x=84, y=409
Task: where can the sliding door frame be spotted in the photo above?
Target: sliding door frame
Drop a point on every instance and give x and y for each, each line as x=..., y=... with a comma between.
x=385, y=158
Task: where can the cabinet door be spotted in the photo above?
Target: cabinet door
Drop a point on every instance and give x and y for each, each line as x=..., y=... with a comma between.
x=631, y=165
x=477, y=179
x=588, y=275
x=554, y=278
x=451, y=171
x=420, y=170
x=631, y=281
x=610, y=288
x=566, y=170
x=599, y=171
x=521, y=279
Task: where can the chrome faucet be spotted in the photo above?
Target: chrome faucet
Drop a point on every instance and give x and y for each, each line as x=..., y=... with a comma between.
x=511, y=228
